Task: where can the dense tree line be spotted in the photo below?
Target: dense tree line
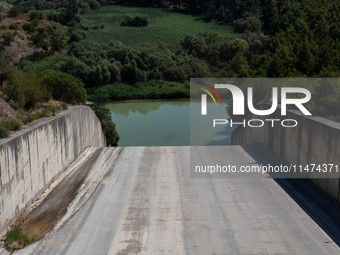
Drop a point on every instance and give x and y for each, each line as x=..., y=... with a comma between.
x=84, y=5
x=99, y=64
x=62, y=11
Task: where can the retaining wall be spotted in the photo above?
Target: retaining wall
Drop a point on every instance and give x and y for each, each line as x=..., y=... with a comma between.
x=315, y=140
x=31, y=159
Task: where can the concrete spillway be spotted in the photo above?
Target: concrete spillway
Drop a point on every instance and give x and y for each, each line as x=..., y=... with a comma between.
x=146, y=203
x=141, y=200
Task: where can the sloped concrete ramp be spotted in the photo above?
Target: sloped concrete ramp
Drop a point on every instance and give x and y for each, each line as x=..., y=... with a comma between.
x=148, y=204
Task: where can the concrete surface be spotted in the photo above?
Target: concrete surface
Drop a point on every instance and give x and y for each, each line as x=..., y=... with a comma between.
x=33, y=158
x=148, y=204
x=315, y=140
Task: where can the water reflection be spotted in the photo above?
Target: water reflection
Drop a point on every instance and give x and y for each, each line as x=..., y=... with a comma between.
x=154, y=123
x=142, y=107
x=169, y=123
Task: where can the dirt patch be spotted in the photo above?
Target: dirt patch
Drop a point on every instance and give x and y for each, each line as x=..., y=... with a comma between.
x=5, y=7
x=37, y=223
x=22, y=47
x=6, y=111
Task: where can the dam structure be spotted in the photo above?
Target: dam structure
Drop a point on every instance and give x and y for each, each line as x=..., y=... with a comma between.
x=142, y=200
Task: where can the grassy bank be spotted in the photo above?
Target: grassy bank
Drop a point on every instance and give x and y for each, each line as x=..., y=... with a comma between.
x=165, y=26
x=155, y=89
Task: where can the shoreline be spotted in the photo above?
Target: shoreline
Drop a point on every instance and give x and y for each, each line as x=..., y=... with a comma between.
x=146, y=100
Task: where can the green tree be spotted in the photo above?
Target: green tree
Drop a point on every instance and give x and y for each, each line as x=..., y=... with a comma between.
x=8, y=37
x=64, y=87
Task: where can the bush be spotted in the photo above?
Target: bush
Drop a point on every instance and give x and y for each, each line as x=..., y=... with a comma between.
x=109, y=128
x=64, y=87
x=36, y=15
x=13, y=26
x=35, y=22
x=77, y=36
x=33, y=90
x=11, y=124
x=8, y=38
x=29, y=27
x=13, y=91
x=239, y=45
x=132, y=74
x=138, y=21
x=251, y=24
x=37, y=39
x=4, y=132
x=40, y=55
x=15, y=11
x=45, y=45
x=15, y=235
x=58, y=41
x=26, y=89
x=94, y=5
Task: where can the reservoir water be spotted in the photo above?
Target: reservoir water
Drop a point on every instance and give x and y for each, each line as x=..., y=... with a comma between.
x=168, y=123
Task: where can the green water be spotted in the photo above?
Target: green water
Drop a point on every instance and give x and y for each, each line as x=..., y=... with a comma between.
x=166, y=123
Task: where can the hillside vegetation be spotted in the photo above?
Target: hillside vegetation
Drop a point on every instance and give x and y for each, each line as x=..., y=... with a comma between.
x=165, y=26
x=150, y=49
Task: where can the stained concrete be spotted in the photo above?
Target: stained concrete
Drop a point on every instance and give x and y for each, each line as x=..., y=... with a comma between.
x=315, y=140
x=33, y=157
x=148, y=204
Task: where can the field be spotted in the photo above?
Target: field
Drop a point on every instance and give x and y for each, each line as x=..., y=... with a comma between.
x=165, y=26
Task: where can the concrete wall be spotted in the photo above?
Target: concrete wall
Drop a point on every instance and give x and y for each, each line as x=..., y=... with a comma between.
x=315, y=140
x=35, y=156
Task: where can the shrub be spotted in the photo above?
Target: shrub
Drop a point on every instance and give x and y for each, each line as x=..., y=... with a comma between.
x=40, y=55
x=77, y=36
x=239, y=45
x=8, y=38
x=251, y=24
x=64, y=87
x=37, y=39
x=35, y=22
x=36, y=15
x=15, y=235
x=33, y=90
x=138, y=21
x=46, y=45
x=132, y=74
x=11, y=124
x=109, y=128
x=58, y=41
x=15, y=11
x=4, y=132
x=29, y=27
x=258, y=43
x=13, y=91
x=94, y=5
x=26, y=89
x=13, y=26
